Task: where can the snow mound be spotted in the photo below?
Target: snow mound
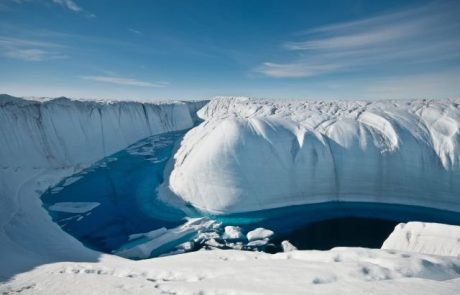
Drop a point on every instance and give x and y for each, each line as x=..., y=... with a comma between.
x=251, y=154
x=427, y=238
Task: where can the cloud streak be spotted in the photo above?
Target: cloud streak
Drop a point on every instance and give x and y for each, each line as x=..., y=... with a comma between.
x=67, y=4
x=29, y=50
x=125, y=81
x=424, y=34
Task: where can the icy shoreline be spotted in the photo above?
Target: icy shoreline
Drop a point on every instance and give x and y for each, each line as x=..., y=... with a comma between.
x=262, y=154
x=44, y=141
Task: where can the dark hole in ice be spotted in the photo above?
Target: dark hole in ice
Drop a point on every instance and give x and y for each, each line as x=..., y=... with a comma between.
x=341, y=232
x=327, y=225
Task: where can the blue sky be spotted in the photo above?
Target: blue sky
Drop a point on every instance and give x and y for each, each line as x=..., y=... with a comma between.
x=199, y=49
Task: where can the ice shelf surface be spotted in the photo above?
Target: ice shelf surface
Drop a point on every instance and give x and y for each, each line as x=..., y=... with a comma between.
x=427, y=238
x=252, y=154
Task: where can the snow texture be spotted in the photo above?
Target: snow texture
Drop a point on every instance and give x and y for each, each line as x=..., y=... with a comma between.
x=259, y=234
x=428, y=238
x=232, y=233
x=338, y=271
x=252, y=154
x=287, y=246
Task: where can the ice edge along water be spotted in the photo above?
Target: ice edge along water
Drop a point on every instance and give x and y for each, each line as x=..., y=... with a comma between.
x=41, y=142
x=28, y=237
x=250, y=155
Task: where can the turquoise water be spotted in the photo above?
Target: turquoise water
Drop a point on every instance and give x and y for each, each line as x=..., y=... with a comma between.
x=125, y=186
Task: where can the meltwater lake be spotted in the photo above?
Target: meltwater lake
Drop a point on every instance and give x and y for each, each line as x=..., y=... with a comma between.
x=114, y=206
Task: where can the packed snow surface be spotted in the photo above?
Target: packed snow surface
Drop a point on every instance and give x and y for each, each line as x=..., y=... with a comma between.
x=428, y=238
x=252, y=154
x=338, y=271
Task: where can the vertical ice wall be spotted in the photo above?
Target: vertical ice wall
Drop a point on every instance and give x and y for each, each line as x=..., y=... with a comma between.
x=42, y=141
x=64, y=133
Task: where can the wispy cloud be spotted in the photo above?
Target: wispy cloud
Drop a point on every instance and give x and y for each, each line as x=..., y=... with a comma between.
x=423, y=34
x=29, y=50
x=67, y=4
x=137, y=32
x=125, y=81
x=296, y=70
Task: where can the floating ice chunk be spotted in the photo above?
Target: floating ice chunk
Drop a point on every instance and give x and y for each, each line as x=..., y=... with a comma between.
x=74, y=207
x=287, y=246
x=187, y=246
x=232, y=233
x=206, y=236
x=259, y=234
x=257, y=243
x=57, y=189
x=214, y=243
x=165, y=238
x=235, y=246
x=70, y=180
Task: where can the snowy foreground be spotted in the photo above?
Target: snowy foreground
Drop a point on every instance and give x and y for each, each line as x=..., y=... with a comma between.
x=43, y=141
x=338, y=271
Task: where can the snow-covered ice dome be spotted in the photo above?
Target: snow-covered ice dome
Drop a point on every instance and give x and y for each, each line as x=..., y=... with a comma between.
x=251, y=154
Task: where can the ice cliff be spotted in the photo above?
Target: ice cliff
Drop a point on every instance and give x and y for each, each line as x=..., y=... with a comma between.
x=44, y=140
x=257, y=154
x=63, y=132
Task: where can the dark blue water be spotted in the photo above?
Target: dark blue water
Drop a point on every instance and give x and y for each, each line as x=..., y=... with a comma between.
x=327, y=225
x=125, y=186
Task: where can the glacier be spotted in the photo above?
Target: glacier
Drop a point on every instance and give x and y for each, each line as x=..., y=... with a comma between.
x=253, y=154
x=353, y=152
x=43, y=141
x=63, y=132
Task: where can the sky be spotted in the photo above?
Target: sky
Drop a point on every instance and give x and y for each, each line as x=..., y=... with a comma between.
x=184, y=49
